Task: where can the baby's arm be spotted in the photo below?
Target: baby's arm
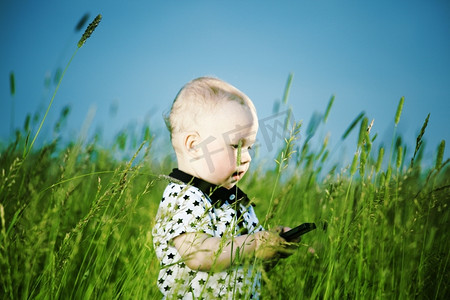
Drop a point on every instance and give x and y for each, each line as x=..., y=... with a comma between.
x=204, y=252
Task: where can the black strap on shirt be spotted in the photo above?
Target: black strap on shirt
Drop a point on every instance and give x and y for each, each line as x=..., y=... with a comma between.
x=218, y=195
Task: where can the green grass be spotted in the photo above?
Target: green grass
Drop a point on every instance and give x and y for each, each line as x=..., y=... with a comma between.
x=76, y=221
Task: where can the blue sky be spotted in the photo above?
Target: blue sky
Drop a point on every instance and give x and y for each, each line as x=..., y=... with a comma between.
x=368, y=54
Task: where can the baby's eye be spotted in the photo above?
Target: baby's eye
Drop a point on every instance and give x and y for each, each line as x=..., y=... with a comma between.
x=236, y=146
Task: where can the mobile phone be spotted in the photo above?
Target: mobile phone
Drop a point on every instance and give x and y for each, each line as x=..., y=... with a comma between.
x=298, y=231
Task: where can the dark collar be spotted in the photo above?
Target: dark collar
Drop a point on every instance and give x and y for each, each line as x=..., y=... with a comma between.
x=217, y=194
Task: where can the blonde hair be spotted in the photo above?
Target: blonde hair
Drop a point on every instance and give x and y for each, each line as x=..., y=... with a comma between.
x=199, y=97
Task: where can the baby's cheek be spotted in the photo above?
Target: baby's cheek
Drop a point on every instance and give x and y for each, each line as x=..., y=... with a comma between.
x=232, y=158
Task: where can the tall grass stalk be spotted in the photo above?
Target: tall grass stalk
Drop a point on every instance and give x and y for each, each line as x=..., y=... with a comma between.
x=419, y=140
x=396, y=121
x=28, y=149
x=89, y=30
x=285, y=154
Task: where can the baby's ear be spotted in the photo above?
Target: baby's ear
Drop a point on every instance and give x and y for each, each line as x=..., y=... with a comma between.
x=191, y=142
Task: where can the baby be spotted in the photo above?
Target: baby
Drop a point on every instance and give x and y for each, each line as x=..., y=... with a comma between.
x=207, y=236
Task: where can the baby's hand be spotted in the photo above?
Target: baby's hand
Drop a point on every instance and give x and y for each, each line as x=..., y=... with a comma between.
x=269, y=244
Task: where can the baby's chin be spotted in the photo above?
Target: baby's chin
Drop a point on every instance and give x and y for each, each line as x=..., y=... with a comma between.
x=232, y=180
x=231, y=183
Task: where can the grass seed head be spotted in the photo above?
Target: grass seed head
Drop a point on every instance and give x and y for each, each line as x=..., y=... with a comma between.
x=239, y=153
x=354, y=162
x=399, y=156
x=363, y=131
x=419, y=139
x=327, y=111
x=440, y=154
x=370, y=126
x=12, y=83
x=89, y=30
x=362, y=163
x=287, y=88
x=399, y=110
x=352, y=125
x=379, y=159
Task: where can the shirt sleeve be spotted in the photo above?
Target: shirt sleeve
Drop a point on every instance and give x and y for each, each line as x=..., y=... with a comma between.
x=184, y=209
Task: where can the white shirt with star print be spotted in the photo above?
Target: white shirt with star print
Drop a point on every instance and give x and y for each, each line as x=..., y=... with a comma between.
x=185, y=208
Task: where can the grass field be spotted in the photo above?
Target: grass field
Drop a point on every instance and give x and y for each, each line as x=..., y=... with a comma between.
x=76, y=221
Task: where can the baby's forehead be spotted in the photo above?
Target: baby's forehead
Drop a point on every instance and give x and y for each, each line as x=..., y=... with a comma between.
x=233, y=121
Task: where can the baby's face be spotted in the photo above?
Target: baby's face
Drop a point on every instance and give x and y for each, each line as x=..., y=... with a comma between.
x=221, y=134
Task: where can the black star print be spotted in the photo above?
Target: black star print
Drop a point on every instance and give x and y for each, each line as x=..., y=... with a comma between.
x=180, y=221
x=167, y=288
x=209, y=290
x=186, y=197
x=169, y=272
x=171, y=256
x=196, y=203
x=191, y=273
x=182, y=265
x=161, y=281
x=179, y=281
x=221, y=280
x=240, y=279
x=189, y=211
x=175, y=194
x=201, y=281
